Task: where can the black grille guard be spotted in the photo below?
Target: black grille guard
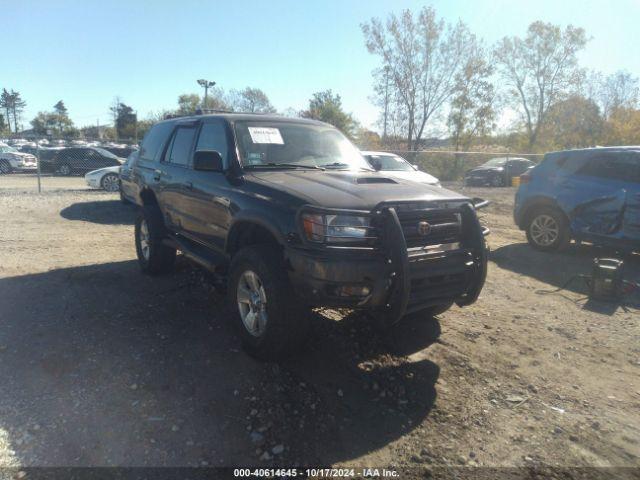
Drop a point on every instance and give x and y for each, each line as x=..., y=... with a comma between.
x=395, y=248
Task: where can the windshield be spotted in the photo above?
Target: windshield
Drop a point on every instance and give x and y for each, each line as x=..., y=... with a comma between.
x=496, y=162
x=105, y=153
x=7, y=149
x=390, y=163
x=289, y=144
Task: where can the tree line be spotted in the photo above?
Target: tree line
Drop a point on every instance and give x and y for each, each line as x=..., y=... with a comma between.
x=435, y=80
x=439, y=79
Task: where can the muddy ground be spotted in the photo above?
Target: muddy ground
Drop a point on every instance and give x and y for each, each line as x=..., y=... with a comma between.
x=100, y=365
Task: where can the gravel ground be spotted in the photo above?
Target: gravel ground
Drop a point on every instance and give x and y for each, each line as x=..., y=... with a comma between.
x=103, y=366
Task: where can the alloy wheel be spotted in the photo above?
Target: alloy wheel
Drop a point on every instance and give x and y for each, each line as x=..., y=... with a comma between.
x=252, y=303
x=145, y=243
x=544, y=230
x=110, y=183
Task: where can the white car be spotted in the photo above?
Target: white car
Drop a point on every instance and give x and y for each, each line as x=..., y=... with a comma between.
x=105, y=178
x=11, y=160
x=395, y=166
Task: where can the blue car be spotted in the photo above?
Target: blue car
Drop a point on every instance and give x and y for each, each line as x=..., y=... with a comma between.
x=590, y=195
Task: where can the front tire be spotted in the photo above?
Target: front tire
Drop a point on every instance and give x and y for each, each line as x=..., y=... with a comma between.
x=497, y=181
x=272, y=322
x=110, y=182
x=153, y=256
x=548, y=230
x=64, y=170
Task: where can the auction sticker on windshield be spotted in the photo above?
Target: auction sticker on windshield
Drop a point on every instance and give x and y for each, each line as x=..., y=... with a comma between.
x=265, y=135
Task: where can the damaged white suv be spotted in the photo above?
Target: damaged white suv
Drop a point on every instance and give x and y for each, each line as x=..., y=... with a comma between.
x=11, y=160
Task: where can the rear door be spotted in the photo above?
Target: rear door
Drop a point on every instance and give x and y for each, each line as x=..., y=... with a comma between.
x=172, y=174
x=597, y=195
x=206, y=194
x=631, y=218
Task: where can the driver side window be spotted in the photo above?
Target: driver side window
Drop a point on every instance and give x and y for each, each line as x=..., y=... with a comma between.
x=213, y=136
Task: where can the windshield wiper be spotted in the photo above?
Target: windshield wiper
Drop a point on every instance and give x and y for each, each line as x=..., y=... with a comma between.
x=286, y=165
x=338, y=165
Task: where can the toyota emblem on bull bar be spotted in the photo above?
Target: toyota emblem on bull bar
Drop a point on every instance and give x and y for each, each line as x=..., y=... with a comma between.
x=424, y=228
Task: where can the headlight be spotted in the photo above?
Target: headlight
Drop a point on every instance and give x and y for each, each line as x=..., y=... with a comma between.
x=338, y=228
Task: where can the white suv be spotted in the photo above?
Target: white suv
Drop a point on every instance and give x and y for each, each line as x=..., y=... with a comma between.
x=11, y=160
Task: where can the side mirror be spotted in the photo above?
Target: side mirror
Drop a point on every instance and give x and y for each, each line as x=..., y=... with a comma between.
x=415, y=167
x=208, y=161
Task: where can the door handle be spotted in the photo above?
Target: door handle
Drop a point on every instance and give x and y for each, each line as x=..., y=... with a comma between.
x=157, y=174
x=188, y=185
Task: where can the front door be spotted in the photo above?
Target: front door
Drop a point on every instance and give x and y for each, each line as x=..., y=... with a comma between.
x=206, y=194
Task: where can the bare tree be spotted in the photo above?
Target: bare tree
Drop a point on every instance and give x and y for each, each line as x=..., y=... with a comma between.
x=615, y=91
x=472, y=113
x=421, y=57
x=540, y=69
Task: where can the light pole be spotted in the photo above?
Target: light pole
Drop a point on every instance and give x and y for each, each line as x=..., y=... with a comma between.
x=206, y=84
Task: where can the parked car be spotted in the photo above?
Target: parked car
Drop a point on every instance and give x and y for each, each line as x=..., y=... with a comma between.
x=590, y=195
x=289, y=213
x=107, y=178
x=79, y=160
x=497, y=172
x=128, y=186
x=397, y=167
x=11, y=160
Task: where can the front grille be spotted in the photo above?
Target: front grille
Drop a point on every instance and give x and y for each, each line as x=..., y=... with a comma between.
x=445, y=226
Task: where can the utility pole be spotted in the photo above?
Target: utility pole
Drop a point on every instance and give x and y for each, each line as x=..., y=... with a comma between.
x=206, y=84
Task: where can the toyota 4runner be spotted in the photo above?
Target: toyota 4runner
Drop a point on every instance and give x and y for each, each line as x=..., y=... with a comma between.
x=290, y=214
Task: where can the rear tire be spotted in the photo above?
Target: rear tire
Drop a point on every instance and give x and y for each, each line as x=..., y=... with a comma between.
x=5, y=168
x=110, y=182
x=153, y=256
x=548, y=230
x=272, y=322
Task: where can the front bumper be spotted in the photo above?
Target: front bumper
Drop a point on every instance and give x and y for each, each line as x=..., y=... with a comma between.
x=398, y=280
x=92, y=181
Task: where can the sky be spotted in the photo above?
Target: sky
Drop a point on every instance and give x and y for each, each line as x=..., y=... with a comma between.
x=149, y=52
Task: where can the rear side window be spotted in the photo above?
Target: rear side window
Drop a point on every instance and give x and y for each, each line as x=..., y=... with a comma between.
x=624, y=167
x=155, y=140
x=180, y=148
x=213, y=136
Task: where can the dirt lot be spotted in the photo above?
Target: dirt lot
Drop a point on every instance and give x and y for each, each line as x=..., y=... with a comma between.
x=103, y=366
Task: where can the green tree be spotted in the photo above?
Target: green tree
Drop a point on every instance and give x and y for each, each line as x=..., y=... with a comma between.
x=251, y=100
x=126, y=122
x=188, y=103
x=327, y=107
x=539, y=70
x=3, y=125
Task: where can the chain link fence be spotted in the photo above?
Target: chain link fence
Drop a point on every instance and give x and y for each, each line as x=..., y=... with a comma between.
x=43, y=164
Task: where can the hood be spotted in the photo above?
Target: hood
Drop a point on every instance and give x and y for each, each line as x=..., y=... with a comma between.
x=415, y=175
x=114, y=169
x=350, y=190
